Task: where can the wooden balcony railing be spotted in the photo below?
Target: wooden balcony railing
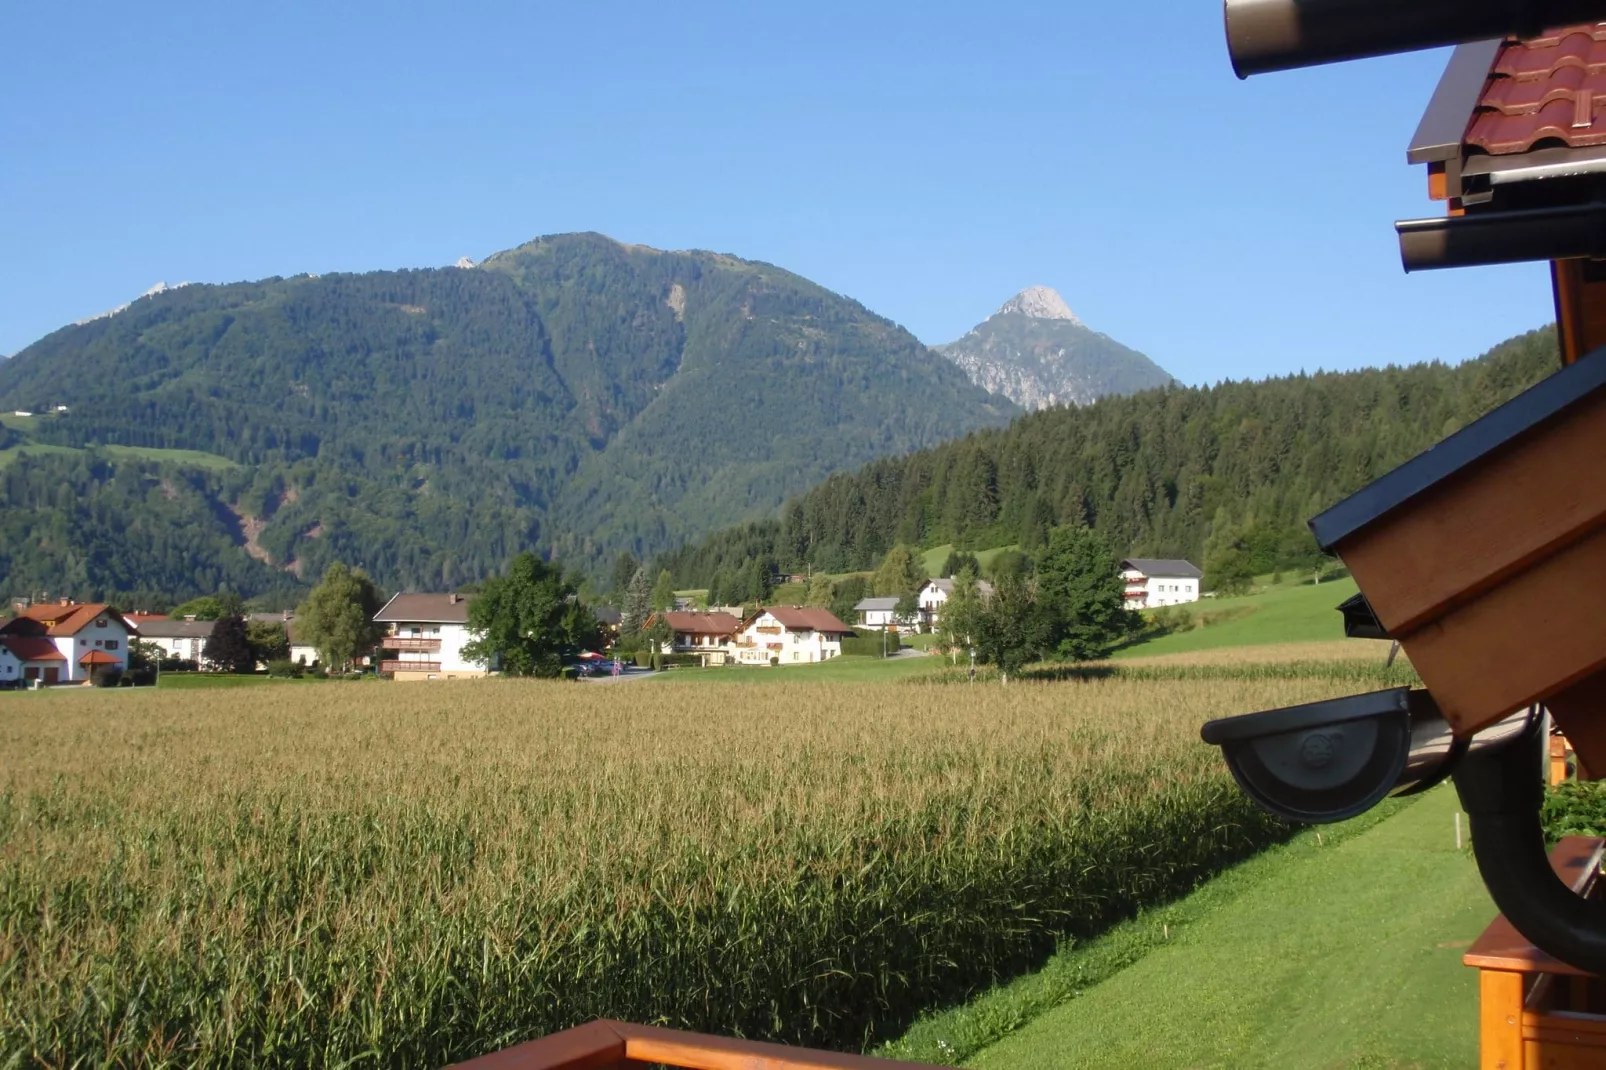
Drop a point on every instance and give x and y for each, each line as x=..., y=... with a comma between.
x=409, y=666
x=1536, y=1011
x=411, y=643
x=618, y=1044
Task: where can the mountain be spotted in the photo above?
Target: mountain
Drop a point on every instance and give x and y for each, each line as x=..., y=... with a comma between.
x=574, y=394
x=1035, y=352
x=1178, y=472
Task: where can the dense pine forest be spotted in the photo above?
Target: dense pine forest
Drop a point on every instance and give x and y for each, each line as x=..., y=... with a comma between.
x=1213, y=474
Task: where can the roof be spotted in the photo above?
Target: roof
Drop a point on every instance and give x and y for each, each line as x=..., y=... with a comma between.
x=806, y=618
x=701, y=623
x=136, y=619
x=62, y=618
x=98, y=657
x=1549, y=88
x=175, y=629
x=32, y=648
x=874, y=605
x=425, y=608
x=1168, y=567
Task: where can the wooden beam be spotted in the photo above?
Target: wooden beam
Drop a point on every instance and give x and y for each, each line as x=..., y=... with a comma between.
x=1500, y=1020
x=1567, y=284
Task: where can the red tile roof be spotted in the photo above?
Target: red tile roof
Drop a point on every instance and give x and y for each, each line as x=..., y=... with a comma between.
x=702, y=623
x=807, y=618
x=1551, y=88
x=62, y=618
x=98, y=657
x=32, y=648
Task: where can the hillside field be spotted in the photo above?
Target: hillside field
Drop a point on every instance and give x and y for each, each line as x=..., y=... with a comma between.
x=1301, y=613
x=331, y=873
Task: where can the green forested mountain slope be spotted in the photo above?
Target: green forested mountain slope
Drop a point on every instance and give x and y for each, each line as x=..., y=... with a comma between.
x=1178, y=472
x=574, y=395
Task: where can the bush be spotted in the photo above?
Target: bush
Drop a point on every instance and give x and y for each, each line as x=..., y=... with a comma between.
x=106, y=676
x=643, y=659
x=1575, y=808
x=569, y=673
x=142, y=677
x=284, y=669
x=671, y=661
x=867, y=643
x=657, y=662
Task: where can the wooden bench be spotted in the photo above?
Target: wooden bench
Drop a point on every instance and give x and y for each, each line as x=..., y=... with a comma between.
x=619, y=1044
x=1536, y=1011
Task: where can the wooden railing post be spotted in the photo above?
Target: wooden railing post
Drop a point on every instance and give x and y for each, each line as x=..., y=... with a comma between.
x=1500, y=995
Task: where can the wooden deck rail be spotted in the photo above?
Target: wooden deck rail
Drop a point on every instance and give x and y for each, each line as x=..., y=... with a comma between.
x=1536, y=1011
x=619, y=1044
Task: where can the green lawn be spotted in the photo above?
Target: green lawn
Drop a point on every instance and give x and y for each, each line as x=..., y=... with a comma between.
x=187, y=458
x=194, y=681
x=1289, y=614
x=849, y=668
x=1341, y=952
x=937, y=556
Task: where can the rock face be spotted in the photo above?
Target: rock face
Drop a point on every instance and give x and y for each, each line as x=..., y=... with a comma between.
x=1035, y=352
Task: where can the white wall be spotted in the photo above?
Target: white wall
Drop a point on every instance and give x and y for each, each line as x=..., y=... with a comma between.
x=104, y=634
x=10, y=667
x=795, y=648
x=1161, y=590
x=453, y=638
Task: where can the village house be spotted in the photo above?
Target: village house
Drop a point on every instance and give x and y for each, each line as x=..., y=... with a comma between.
x=183, y=640
x=878, y=612
x=705, y=634
x=64, y=642
x=424, y=638
x=789, y=635
x=935, y=594
x=1153, y=582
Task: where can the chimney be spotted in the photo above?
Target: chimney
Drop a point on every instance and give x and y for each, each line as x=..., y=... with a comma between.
x=452, y=598
x=288, y=616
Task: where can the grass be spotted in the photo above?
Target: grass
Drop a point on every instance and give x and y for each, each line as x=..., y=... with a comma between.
x=937, y=556
x=1316, y=954
x=409, y=875
x=208, y=681
x=1292, y=614
x=185, y=458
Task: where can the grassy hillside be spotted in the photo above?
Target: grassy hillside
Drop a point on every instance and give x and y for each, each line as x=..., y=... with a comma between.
x=1286, y=614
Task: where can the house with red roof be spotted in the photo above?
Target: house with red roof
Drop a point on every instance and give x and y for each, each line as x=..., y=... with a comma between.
x=63, y=642
x=707, y=635
x=789, y=635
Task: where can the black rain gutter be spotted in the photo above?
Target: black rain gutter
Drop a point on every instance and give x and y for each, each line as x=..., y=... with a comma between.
x=1561, y=233
x=1276, y=35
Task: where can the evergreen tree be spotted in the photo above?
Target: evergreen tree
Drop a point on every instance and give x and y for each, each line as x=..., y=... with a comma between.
x=849, y=593
x=760, y=581
x=624, y=570
x=820, y=592
x=959, y=560
x=228, y=649
x=1081, y=594
x=337, y=619
x=526, y=622
x=663, y=592
x=901, y=573
x=638, y=603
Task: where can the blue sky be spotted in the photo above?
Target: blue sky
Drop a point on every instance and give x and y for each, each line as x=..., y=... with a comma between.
x=929, y=159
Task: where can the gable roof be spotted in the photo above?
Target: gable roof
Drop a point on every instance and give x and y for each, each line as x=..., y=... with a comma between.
x=1546, y=88
x=60, y=618
x=32, y=648
x=98, y=657
x=175, y=629
x=1167, y=567
x=804, y=618
x=946, y=586
x=880, y=603
x=425, y=609
x=701, y=623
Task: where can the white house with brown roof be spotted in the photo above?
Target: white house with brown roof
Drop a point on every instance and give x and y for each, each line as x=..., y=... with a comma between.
x=1152, y=582
x=424, y=638
x=705, y=634
x=789, y=635
x=182, y=639
x=65, y=642
x=935, y=594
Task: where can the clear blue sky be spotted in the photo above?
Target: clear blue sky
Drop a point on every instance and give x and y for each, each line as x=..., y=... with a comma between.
x=928, y=159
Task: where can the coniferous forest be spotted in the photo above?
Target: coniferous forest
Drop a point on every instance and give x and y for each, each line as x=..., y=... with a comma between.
x=1232, y=470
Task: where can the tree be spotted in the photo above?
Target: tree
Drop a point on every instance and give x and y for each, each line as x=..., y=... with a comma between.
x=637, y=603
x=961, y=613
x=528, y=621
x=958, y=561
x=1009, y=630
x=849, y=593
x=663, y=591
x=1010, y=564
x=820, y=591
x=338, y=616
x=269, y=641
x=228, y=649
x=624, y=570
x=760, y=580
x=1081, y=594
x=205, y=607
x=901, y=573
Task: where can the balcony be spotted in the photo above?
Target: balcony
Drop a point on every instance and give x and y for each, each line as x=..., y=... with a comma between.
x=409, y=666
x=411, y=643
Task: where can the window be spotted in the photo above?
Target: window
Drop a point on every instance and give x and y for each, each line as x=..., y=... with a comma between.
x=100, y=642
x=101, y=623
x=111, y=644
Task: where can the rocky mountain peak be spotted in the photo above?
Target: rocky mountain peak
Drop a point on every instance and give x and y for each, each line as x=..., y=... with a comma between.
x=1039, y=302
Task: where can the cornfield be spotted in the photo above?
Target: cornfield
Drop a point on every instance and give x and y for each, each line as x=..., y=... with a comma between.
x=337, y=874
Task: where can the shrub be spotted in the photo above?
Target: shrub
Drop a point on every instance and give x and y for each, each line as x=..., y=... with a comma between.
x=1575, y=808
x=867, y=642
x=284, y=669
x=106, y=676
x=643, y=659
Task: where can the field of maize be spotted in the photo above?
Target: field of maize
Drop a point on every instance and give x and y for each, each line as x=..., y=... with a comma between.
x=338, y=874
